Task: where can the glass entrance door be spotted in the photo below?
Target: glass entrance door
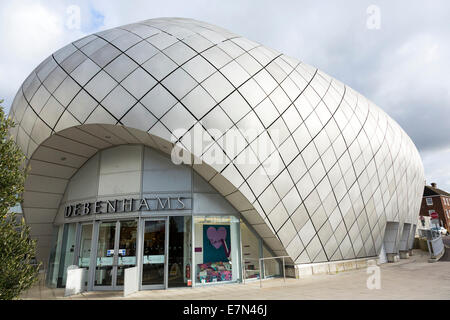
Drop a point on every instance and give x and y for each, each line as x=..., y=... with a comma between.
x=84, y=247
x=127, y=249
x=84, y=251
x=105, y=255
x=116, y=251
x=154, y=254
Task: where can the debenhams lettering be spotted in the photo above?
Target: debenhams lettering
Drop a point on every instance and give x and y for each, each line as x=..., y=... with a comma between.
x=125, y=205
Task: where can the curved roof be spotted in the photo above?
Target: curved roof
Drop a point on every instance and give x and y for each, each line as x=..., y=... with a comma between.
x=345, y=166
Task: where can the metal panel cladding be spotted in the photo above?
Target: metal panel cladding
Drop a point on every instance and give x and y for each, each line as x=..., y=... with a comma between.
x=346, y=168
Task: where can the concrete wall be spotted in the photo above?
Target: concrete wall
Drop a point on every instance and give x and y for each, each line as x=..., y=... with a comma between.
x=403, y=245
x=136, y=171
x=412, y=235
x=391, y=237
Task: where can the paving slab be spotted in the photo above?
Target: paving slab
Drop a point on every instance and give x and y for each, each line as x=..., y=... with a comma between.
x=412, y=278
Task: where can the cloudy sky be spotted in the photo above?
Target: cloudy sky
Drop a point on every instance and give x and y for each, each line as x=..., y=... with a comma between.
x=396, y=53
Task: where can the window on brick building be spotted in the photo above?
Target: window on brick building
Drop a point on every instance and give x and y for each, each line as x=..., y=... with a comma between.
x=429, y=201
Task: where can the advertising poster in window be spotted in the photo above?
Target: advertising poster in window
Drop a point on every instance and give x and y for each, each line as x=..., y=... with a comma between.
x=216, y=243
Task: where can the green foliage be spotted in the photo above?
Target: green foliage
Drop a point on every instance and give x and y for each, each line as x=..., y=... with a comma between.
x=16, y=253
x=12, y=176
x=17, y=250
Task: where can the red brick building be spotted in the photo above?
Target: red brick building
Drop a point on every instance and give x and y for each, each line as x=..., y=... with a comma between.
x=436, y=200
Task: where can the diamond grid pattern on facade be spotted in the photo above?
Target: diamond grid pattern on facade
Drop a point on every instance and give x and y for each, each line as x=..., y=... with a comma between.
x=346, y=167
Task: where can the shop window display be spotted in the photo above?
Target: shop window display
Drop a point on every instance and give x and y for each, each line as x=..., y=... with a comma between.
x=216, y=249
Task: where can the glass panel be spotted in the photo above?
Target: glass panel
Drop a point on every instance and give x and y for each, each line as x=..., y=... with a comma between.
x=127, y=249
x=85, y=246
x=67, y=252
x=153, y=258
x=271, y=267
x=250, y=252
x=105, y=254
x=55, y=257
x=179, y=251
x=217, y=253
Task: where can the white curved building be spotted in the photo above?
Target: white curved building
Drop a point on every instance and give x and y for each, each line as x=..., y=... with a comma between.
x=280, y=159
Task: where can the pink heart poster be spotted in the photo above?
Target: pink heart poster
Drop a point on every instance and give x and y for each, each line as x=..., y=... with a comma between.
x=216, y=243
x=216, y=236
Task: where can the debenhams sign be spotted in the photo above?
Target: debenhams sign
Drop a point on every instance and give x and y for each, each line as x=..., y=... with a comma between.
x=126, y=205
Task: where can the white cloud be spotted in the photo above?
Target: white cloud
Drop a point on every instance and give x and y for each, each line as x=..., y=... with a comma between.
x=30, y=26
x=437, y=167
x=401, y=67
x=416, y=67
x=30, y=32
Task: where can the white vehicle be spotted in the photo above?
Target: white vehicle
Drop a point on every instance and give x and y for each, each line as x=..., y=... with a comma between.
x=444, y=231
x=441, y=230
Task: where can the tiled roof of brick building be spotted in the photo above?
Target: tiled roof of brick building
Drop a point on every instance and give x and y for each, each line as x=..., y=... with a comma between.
x=433, y=191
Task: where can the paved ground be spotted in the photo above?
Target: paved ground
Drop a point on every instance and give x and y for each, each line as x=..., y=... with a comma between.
x=413, y=278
